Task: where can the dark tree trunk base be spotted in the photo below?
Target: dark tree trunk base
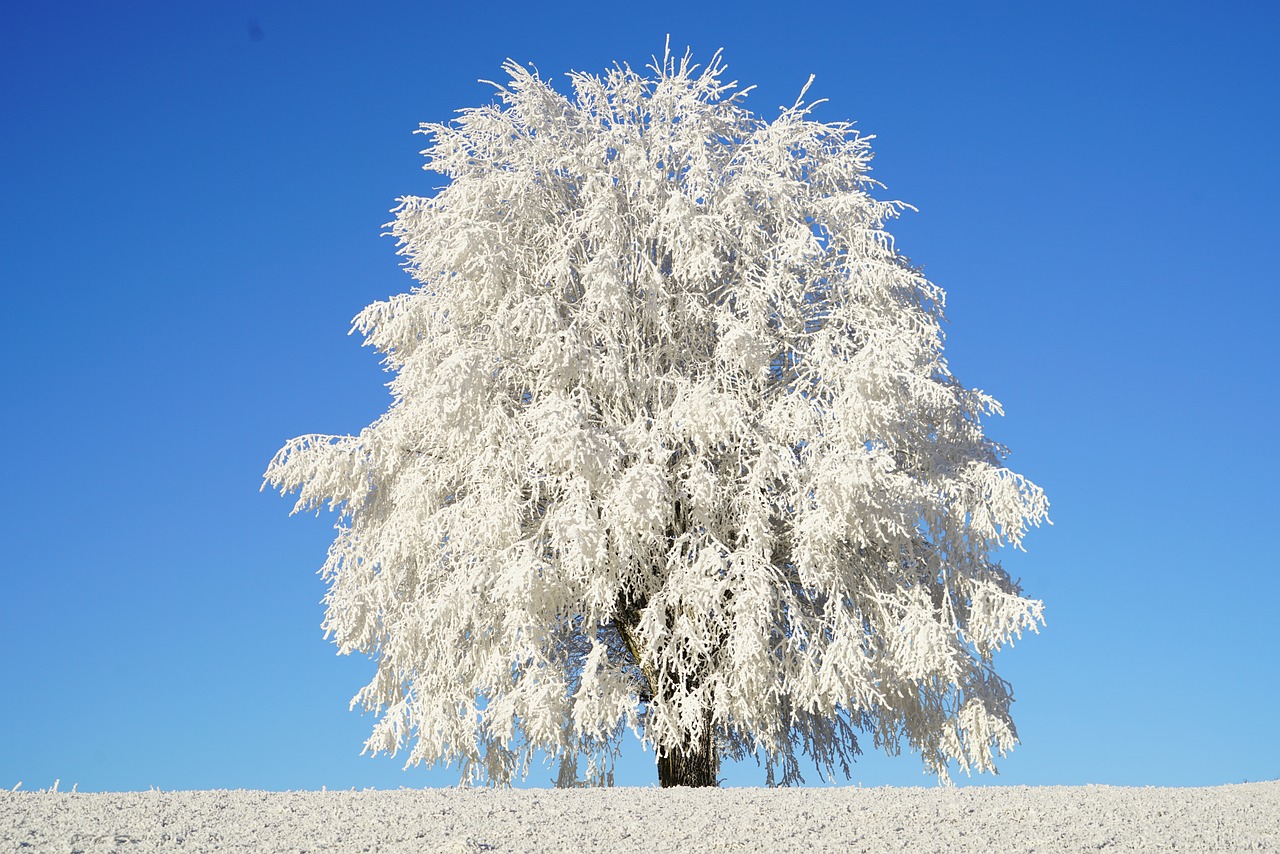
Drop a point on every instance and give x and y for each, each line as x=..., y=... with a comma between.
x=693, y=771
x=694, y=765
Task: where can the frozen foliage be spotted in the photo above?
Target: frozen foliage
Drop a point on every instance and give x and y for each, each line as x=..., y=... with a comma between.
x=673, y=447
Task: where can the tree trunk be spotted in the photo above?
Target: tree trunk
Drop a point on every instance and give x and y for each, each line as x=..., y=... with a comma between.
x=691, y=764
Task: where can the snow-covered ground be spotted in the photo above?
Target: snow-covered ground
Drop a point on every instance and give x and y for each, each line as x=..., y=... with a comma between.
x=1243, y=817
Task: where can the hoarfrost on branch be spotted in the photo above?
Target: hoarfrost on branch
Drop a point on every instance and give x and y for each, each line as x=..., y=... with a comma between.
x=673, y=447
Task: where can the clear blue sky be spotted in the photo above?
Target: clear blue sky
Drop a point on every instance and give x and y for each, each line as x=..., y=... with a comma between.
x=192, y=197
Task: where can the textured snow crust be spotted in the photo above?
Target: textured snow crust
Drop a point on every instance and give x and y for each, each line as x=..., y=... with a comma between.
x=1243, y=817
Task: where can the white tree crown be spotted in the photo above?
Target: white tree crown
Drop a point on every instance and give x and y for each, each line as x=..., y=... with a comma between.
x=672, y=446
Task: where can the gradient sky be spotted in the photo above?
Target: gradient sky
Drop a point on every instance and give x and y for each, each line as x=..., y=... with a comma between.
x=192, y=197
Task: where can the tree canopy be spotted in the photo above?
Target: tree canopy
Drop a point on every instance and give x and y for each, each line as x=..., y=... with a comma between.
x=672, y=448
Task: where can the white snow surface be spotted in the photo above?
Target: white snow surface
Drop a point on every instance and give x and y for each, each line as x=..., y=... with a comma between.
x=1244, y=817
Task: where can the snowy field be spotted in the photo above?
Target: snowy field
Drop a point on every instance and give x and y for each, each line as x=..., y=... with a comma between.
x=1243, y=817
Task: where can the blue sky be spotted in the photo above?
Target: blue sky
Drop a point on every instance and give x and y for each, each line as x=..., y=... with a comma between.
x=192, y=200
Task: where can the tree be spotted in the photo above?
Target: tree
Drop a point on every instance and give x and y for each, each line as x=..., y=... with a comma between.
x=672, y=448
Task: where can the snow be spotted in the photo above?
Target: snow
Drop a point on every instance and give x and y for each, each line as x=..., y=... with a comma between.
x=1243, y=817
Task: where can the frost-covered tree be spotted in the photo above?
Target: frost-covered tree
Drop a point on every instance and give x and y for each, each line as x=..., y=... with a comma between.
x=672, y=448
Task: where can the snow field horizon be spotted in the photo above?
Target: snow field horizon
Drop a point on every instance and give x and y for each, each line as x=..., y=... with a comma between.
x=1235, y=817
